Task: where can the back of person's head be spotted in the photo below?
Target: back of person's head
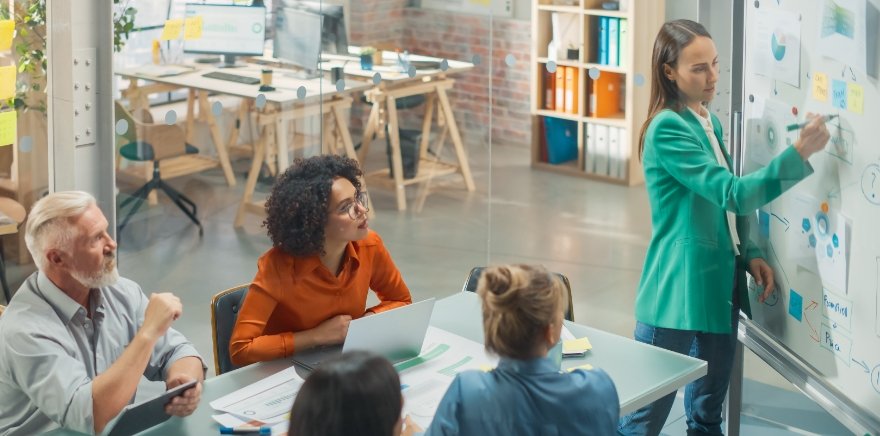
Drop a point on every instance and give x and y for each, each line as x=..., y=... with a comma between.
x=298, y=205
x=49, y=222
x=356, y=394
x=519, y=302
x=672, y=38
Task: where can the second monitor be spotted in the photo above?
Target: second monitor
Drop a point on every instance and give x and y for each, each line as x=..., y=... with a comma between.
x=333, y=34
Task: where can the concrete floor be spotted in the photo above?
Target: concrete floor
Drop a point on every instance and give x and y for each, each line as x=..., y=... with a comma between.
x=593, y=232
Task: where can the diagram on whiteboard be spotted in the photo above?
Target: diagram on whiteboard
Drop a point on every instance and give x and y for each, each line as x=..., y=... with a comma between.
x=766, y=130
x=842, y=32
x=777, y=47
x=871, y=183
x=824, y=235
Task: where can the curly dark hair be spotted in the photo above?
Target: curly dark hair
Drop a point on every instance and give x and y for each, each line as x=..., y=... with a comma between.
x=298, y=205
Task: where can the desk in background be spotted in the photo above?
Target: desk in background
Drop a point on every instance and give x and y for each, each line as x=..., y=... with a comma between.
x=281, y=107
x=433, y=83
x=642, y=373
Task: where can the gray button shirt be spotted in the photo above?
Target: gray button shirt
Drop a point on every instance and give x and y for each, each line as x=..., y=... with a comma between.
x=50, y=351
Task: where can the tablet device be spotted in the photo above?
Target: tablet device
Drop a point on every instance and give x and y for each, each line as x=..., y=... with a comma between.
x=138, y=417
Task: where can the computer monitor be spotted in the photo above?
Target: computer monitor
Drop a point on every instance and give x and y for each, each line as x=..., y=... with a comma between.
x=228, y=30
x=333, y=36
x=298, y=38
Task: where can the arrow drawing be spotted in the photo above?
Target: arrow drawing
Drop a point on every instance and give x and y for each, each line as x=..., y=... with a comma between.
x=815, y=334
x=863, y=364
x=782, y=220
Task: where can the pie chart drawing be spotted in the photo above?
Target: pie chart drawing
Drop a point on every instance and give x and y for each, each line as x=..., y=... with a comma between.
x=777, y=45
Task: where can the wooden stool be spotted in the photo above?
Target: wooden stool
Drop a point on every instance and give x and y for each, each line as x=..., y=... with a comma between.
x=13, y=214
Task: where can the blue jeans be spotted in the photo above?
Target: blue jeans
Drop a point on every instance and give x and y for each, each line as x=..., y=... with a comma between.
x=704, y=397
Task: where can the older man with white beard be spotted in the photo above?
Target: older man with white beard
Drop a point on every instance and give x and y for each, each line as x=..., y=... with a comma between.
x=76, y=338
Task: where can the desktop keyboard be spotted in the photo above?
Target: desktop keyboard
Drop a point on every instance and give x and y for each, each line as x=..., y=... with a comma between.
x=232, y=77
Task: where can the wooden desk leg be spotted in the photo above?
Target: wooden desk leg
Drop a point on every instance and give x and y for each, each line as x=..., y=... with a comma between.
x=396, y=160
x=243, y=111
x=253, y=175
x=328, y=137
x=281, y=144
x=219, y=143
x=456, y=139
x=343, y=132
x=426, y=125
x=190, y=116
x=369, y=131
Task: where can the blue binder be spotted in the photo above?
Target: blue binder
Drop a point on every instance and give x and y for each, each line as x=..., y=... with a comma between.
x=603, y=40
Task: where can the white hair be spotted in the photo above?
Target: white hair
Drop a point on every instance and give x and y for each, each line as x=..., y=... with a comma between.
x=48, y=224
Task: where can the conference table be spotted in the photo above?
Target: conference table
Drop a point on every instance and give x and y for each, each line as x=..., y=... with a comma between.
x=641, y=373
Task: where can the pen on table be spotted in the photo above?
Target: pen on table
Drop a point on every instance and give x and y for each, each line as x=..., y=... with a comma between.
x=246, y=429
x=825, y=118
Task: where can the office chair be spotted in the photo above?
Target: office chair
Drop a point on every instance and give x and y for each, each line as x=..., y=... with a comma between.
x=409, y=139
x=148, y=141
x=224, y=313
x=470, y=285
x=14, y=214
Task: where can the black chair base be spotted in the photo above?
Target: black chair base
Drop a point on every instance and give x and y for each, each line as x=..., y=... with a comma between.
x=182, y=202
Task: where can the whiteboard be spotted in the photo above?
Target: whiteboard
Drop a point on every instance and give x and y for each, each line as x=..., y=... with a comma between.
x=822, y=237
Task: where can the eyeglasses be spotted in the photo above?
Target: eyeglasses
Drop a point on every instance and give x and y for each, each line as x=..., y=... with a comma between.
x=352, y=209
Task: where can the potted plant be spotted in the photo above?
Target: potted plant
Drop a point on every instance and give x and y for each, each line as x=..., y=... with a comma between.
x=367, y=53
x=572, y=53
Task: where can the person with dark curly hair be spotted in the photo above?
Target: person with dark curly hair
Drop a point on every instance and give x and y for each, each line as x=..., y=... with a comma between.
x=324, y=259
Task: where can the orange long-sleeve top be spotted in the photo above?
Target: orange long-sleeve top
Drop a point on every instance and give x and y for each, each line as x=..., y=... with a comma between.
x=291, y=294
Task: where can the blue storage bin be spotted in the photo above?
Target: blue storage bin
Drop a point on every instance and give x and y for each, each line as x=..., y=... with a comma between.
x=561, y=139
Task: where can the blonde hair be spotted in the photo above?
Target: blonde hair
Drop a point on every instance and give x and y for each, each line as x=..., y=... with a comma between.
x=48, y=224
x=519, y=302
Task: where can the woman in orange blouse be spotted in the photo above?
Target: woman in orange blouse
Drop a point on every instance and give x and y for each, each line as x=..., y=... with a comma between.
x=324, y=259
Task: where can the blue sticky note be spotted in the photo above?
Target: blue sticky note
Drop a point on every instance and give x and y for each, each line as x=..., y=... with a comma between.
x=795, y=304
x=838, y=94
x=763, y=224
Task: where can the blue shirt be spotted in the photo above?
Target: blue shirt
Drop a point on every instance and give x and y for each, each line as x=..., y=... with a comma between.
x=51, y=350
x=528, y=397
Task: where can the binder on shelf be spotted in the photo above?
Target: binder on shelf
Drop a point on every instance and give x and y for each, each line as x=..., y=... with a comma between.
x=623, y=142
x=549, y=89
x=613, y=50
x=605, y=95
x=571, y=86
x=622, y=41
x=561, y=137
x=603, y=40
x=601, y=149
x=590, y=152
x=559, y=89
x=542, y=141
x=613, y=152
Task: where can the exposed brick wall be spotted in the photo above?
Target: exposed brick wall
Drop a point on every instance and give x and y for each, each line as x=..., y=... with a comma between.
x=461, y=36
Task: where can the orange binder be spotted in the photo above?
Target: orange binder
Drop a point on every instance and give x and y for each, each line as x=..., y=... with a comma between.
x=571, y=86
x=559, y=104
x=549, y=89
x=605, y=98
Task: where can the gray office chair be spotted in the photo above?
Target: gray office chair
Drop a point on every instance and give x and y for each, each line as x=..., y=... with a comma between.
x=470, y=285
x=224, y=312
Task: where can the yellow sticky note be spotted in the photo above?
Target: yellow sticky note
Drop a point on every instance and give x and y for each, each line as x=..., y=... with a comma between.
x=486, y=368
x=585, y=367
x=192, y=28
x=7, y=82
x=8, y=126
x=7, y=28
x=820, y=86
x=855, y=96
x=171, y=29
x=484, y=3
x=576, y=346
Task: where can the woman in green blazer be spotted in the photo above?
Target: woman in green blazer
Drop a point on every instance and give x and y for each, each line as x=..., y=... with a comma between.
x=693, y=283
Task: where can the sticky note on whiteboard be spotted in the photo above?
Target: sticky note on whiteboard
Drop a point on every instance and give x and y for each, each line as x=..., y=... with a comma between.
x=7, y=28
x=7, y=82
x=192, y=28
x=172, y=29
x=855, y=98
x=820, y=86
x=8, y=128
x=838, y=94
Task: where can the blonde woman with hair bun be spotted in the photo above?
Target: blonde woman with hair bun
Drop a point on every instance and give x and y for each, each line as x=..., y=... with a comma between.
x=523, y=308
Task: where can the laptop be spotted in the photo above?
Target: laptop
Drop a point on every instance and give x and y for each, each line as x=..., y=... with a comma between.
x=396, y=334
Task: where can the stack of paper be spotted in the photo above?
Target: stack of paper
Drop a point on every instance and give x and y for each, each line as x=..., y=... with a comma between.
x=575, y=347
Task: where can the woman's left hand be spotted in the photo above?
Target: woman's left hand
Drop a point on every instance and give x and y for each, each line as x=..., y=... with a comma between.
x=763, y=275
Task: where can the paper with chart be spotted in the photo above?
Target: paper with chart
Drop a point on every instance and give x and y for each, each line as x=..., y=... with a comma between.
x=842, y=33
x=776, y=46
x=268, y=400
x=424, y=380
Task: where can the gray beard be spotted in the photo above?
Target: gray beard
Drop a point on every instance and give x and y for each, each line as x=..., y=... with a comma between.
x=99, y=280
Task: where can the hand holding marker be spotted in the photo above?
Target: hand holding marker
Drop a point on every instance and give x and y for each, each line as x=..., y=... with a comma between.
x=825, y=118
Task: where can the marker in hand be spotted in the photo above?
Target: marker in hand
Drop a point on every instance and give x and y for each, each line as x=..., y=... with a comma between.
x=825, y=119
